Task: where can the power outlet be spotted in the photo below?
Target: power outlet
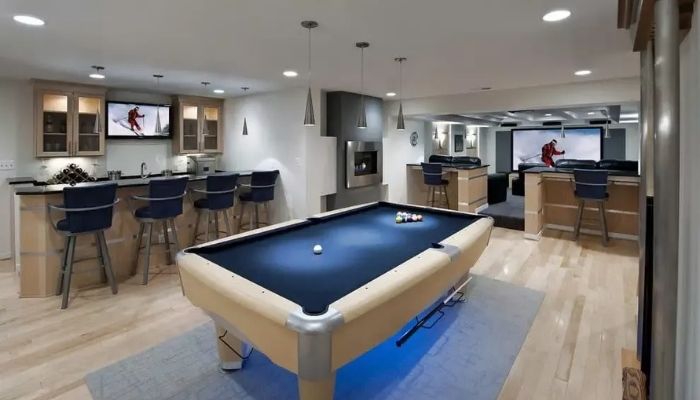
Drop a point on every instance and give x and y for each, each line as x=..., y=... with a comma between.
x=7, y=165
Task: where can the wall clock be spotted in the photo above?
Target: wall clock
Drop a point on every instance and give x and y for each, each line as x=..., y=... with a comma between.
x=414, y=139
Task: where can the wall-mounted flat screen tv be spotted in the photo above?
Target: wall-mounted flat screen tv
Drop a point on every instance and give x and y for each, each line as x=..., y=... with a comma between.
x=138, y=120
x=548, y=144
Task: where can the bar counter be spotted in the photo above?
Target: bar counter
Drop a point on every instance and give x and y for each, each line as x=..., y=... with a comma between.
x=467, y=190
x=38, y=248
x=550, y=203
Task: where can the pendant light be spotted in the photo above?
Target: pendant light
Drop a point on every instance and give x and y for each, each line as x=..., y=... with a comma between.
x=400, y=126
x=245, y=123
x=309, y=118
x=205, y=127
x=362, y=117
x=159, y=128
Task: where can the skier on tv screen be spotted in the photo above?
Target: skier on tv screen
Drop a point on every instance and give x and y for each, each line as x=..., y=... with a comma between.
x=549, y=150
x=133, y=114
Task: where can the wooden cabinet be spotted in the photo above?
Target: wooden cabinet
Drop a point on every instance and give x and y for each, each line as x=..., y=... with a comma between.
x=69, y=120
x=198, y=125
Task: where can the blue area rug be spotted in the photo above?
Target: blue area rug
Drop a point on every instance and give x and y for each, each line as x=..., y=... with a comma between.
x=466, y=355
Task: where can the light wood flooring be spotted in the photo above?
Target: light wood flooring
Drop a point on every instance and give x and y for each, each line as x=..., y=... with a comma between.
x=573, y=350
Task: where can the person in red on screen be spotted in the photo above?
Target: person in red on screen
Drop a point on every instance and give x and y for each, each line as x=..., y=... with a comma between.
x=549, y=150
x=133, y=114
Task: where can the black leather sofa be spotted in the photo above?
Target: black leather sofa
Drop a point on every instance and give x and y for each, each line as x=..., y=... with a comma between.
x=455, y=160
x=618, y=165
x=519, y=182
x=573, y=163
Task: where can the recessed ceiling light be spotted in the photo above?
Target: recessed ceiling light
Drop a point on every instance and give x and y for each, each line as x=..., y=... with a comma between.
x=548, y=115
x=219, y=91
x=582, y=72
x=28, y=20
x=290, y=74
x=591, y=113
x=98, y=72
x=391, y=94
x=556, y=15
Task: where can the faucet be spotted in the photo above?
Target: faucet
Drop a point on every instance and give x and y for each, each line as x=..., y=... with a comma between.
x=144, y=168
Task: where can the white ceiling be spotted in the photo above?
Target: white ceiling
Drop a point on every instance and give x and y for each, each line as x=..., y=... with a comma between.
x=566, y=115
x=452, y=46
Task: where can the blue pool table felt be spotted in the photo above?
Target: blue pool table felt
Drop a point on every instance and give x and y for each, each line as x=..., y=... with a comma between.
x=357, y=246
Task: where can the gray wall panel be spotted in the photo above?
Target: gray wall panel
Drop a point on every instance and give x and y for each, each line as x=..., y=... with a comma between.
x=503, y=157
x=614, y=146
x=342, y=109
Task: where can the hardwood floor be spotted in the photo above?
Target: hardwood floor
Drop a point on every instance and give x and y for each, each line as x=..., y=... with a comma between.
x=573, y=350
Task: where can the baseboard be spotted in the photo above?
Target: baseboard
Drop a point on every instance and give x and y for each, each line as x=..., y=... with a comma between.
x=587, y=231
x=532, y=236
x=481, y=208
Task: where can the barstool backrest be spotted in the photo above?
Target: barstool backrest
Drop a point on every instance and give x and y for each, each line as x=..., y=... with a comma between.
x=220, y=188
x=92, y=196
x=432, y=173
x=262, y=185
x=172, y=189
x=591, y=184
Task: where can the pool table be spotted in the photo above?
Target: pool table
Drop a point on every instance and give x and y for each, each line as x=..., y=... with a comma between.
x=313, y=313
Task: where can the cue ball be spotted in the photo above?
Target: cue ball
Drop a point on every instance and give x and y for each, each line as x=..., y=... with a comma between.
x=318, y=249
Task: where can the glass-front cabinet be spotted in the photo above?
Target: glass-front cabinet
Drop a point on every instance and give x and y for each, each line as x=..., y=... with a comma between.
x=69, y=122
x=190, y=128
x=54, y=123
x=198, y=125
x=89, y=126
x=210, y=129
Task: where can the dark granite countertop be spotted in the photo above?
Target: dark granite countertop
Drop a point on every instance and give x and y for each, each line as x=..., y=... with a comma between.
x=20, y=180
x=40, y=188
x=455, y=166
x=538, y=170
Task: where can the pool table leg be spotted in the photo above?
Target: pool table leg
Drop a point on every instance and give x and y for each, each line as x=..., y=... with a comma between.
x=317, y=389
x=228, y=359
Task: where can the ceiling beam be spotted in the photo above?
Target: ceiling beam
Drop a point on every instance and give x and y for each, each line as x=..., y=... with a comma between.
x=644, y=27
x=624, y=13
x=638, y=17
x=685, y=9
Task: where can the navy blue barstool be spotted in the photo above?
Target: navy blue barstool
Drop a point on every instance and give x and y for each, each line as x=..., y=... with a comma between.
x=262, y=191
x=432, y=176
x=219, y=198
x=164, y=204
x=591, y=186
x=88, y=210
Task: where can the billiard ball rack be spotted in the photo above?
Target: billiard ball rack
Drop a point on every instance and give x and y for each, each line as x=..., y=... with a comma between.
x=456, y=297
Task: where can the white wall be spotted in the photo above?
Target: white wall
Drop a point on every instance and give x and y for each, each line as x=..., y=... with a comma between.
x=15, y=132
x=487, y=147
x=278, y=140
x=633, y=141
x=398, y=152
x=688, y=325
